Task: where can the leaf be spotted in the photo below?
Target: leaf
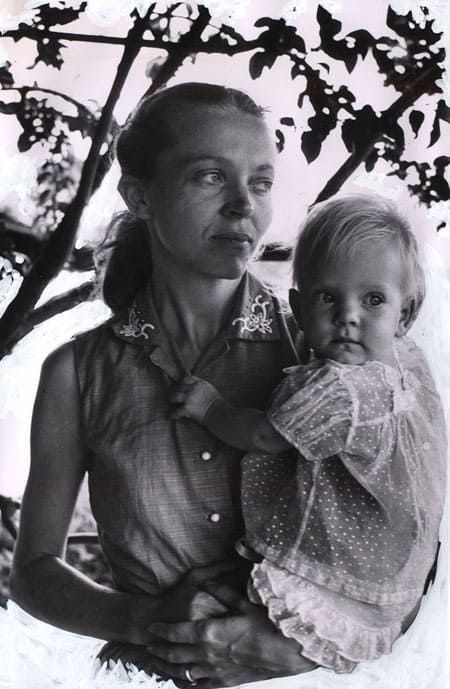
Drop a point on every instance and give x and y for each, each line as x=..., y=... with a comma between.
x=416, y=119
x=9, y=108
x=311, y=146
x=419, y=68
x=287, y=121
x=363, y=41
x=49, y=52
x=346, y=49
x=393, y=129
x=257, y=63
x=279, y=37
x=408, y=28
x=442, y=113
x=356, y=131
x=280, y=140
x=53, y=16
x=371, y=160
x=6, y=78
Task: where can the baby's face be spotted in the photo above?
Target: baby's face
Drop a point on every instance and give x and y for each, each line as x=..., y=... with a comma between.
x=351, y=308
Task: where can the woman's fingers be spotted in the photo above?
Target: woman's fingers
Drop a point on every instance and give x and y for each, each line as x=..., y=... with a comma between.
x=126, y=653
x=175, y=661
x=110, y=651
x=227, y=595
x=154, y=661
x=178, y=655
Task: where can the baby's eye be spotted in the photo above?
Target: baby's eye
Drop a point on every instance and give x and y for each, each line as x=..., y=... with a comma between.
x=325, y=298
x=261, y=186
x=209, y=177
x=374, y=299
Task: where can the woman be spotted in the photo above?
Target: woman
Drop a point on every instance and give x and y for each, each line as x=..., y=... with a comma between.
x=197, y=169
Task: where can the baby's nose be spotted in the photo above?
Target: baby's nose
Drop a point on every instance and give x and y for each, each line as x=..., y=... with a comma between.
x=347, y=313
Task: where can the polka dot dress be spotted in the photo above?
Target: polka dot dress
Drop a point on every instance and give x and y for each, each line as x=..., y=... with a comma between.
x=348, y=518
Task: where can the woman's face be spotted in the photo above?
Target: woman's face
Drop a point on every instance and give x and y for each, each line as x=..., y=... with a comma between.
x=209, y=200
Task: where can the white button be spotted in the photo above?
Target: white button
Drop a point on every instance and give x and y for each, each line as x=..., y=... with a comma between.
x=214, y=517
x=426, y=446
x=206, y=456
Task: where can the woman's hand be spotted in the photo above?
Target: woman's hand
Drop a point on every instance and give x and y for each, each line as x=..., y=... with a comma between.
x=189, y=600
x=193, y=397
x=225, y=651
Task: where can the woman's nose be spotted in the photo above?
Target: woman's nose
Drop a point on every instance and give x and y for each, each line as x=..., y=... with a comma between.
x=238, y=202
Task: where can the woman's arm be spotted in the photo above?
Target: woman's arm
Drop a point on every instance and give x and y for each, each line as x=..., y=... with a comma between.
x=245, y=429
x=42, y=582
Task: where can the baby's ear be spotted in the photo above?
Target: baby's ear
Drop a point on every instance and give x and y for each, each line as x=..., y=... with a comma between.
x=407, y=317
x=132, y=192
x=295, y=304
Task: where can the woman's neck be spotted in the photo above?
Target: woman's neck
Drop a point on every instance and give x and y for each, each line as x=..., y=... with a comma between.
x=192, y=308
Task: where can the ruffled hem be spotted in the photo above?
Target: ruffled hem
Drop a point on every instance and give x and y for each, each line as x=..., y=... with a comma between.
x=334, y=631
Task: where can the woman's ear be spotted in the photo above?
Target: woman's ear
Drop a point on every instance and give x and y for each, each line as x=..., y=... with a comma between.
x=131, y=190
x=295, y=304
x=407, y=317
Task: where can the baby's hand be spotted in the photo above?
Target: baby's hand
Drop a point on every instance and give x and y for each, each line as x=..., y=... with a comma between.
x=194, y=397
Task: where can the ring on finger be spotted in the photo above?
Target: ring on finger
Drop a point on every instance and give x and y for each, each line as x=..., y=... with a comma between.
x=188, y=675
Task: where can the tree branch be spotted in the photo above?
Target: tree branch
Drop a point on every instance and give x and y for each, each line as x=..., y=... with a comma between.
x=60, y=243
x=23, y=242
x=155, y=43
x=56, y=305
x=417, y=89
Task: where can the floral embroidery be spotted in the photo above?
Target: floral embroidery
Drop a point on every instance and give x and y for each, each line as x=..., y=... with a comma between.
x=136, y=326
x=257, y=321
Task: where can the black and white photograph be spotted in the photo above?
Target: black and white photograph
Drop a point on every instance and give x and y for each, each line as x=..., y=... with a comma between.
x=224, y=358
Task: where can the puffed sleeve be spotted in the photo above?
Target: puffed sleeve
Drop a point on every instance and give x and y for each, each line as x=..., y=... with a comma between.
x=330, y=408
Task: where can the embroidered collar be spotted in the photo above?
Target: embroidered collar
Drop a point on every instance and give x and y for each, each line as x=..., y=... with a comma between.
x=254, y=316
x=256, y=311
x=138, y=322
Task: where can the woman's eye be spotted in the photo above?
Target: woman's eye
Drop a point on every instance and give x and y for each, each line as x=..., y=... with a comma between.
x=209, y=177
x=374, y=299
x=261, y=186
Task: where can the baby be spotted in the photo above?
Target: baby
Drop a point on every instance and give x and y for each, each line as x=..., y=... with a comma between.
x=343, y=486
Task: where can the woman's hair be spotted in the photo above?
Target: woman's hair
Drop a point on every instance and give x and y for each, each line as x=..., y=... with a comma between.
x=124, y=257
x=336, y=228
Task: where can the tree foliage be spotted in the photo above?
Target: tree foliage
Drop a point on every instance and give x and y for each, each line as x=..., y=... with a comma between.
x=409, y=59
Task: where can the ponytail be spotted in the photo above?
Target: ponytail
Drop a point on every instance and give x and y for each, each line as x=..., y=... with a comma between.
x=123, y=260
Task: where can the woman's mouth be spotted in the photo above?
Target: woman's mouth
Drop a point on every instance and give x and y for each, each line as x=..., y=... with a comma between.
x=235, y=237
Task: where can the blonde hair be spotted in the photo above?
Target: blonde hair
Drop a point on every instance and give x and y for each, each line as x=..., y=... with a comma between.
x=336, y=228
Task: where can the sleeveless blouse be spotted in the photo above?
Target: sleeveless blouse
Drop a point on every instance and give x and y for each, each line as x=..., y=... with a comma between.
x=165, y=493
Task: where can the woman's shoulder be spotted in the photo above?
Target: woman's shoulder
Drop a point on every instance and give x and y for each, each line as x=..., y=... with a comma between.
x=61, y=363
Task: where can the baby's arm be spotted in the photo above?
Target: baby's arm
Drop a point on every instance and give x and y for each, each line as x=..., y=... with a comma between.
x=245, y=429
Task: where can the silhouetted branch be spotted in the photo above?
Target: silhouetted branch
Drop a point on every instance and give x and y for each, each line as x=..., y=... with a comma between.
x=416, y=89
x=60, y=243
x=156, y=42
x=63, y=302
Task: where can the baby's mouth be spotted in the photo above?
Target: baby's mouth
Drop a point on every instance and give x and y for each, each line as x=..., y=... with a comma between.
x=345, y=340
